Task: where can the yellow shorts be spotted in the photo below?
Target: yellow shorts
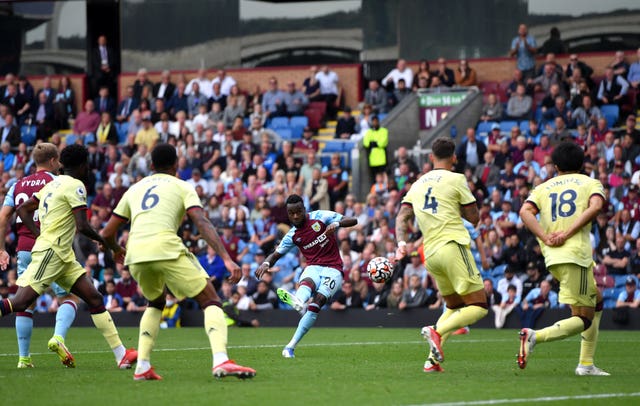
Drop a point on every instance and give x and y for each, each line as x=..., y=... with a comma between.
x=46, y=267
x=184, y=276
x=454, y=270
x=577, y=284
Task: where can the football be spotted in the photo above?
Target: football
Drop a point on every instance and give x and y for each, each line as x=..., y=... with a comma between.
x=380, y=269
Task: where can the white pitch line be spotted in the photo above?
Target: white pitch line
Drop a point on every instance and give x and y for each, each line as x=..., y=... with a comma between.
x=536, y=400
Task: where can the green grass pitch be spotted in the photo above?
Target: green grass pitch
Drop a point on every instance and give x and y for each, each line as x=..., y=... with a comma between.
x=333, y=366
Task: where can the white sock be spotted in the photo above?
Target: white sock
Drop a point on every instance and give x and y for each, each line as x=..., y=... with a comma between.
x=142, y=366
x=119, y=352
x=219, y=358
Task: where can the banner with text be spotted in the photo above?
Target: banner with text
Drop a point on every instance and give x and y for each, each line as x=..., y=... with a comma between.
x=433, y=107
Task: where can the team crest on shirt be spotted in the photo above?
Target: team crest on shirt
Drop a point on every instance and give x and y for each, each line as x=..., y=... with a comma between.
x=316, y=227
x=80, y=192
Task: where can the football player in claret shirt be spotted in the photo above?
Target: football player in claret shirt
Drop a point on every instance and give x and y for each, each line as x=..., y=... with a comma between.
x=62, y=208
x=566, y=205
x=314, y=235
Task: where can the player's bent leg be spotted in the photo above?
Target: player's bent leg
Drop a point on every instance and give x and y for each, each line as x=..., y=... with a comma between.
x=216, y=329
x=84, y=289
x=149, y=328
x=475, y=307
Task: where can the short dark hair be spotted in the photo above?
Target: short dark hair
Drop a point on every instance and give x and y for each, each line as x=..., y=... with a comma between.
x=164, y=156
x=294, y=199
x=74, y=155
x=443, y=148
x=568, y=157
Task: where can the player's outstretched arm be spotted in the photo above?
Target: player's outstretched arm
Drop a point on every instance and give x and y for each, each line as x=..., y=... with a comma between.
x=25, y=212
x=345, y=222
x=210, y=235
x=5, y=216
x=269, y=261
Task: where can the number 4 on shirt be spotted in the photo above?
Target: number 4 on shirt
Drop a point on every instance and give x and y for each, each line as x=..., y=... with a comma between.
x=430, y=202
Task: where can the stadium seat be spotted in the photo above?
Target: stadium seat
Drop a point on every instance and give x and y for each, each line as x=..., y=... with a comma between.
x=318, y=105
x=285, y=133
x=611, y=112
x=382, y=116
x=498, y=271
x=315, y=117
x=333, y=146
x=621, y=280
x=123, y=131
x=524, y=126
x=299, y=121
x=296, y=132
x=507, y=125
x=278, y=122
x=70, y=139
x=484, y=127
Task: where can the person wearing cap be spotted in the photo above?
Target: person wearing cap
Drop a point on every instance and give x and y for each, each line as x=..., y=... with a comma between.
x=566, y=205
x=307, y=143
x=295, y=101
x=630, y=297
x=534, y=277
x=147, y=134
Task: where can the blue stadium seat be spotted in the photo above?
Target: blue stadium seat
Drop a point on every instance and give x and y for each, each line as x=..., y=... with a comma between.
x=279, y=122
x=70, y=139
x=507, y=125
x=246, y=122
x=123, y=131
x=382, y=116
x=484, y=127
x=285, y=133
x=498, y=271
x=296, y=131
x=301, y=121
x=333, y=146
x=524, y=126
x=348, y=146
x=611, y=112
x=621, y=280
x=28, y=134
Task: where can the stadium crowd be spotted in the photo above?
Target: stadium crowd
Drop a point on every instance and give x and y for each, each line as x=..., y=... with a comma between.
x=243, y=170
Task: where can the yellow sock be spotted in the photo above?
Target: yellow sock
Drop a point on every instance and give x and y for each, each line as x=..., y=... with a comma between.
x=108, y=329
x=589, y=341
x=216, y=328
x=562, y=329
x=447, y=313
x=465, y=316
x=149, y=327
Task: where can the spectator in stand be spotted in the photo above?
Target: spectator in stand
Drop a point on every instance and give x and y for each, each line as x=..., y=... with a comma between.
x=549, y=77
x=488, y=172
x=329, y=90
x=492, y=109
x=549, y=100
x=559, y=132
x=337, y=180
x=203, y=82
x=376, y=97
x=195, y=100
x=465, y=75
x=524, y=48
x=612, y=88
x=317, y=191
x=311, y=86
x=178, y=102
x=127, y=106
x=400, y=92
x=104, y=65
x=363, y=123
x=64, y=103
x=519, y=105
x=540, y=152
x=126, y=287
x=554, y=44
x=87, y=122
x=307, y=143
x=510, y=279
x=446, y=75
x=164, y=89
x=627, y=226
x=273, y=100
x=142, y=81
x=346, y=125
x=550, y=58
x=401, y=71
x=559, y=109
x=470, y=153
x=588, y=114
x=226, y=82
x=617, y=259
x=112, y=300
x=506, y=305
x=295, y=100
x=575, y=64
x=231, y=111
x=265, y=298
x=43, y=117
x=346, y=298
x=630, y=129
x=10, y=132
x=415, y=296
x=534, y=304
x=633, y=77
x=620, y=65
x=147, y=134
x=630, y=296
x=17, y=104
x=375, y=141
